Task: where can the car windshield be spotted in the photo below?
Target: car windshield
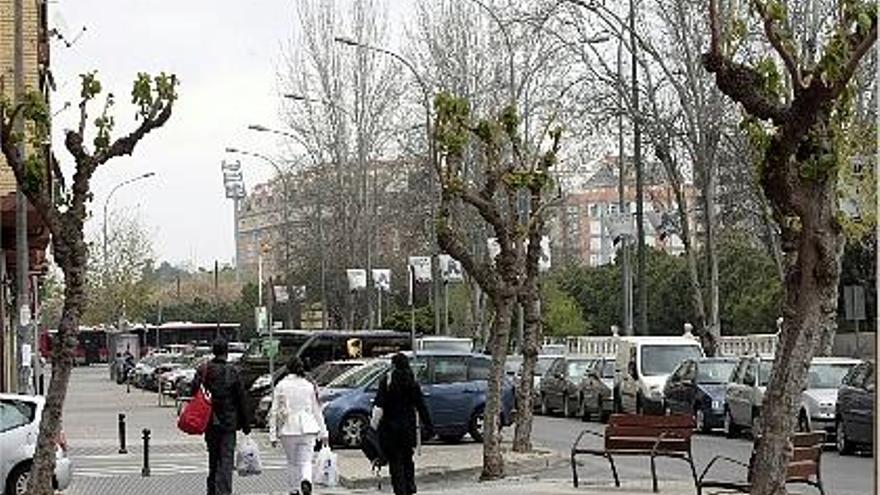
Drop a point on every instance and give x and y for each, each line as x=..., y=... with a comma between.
x=764, y=370
x=715, y=371
x=608, y=369
x=360, y=376
x=827, y=375
x=662, y=359
x=543, y=364
x=577, y=369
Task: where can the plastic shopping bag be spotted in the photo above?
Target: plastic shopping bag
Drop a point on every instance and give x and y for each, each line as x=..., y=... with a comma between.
x=247, y=458
x=325, y=470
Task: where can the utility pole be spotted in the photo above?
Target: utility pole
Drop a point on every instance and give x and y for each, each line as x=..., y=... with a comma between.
x=637, y=159
x=623, y=207
x=25, y=347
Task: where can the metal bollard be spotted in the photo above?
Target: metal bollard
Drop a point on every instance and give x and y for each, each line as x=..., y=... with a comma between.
x=128, y=384
x=122, y=449
x=145, y=471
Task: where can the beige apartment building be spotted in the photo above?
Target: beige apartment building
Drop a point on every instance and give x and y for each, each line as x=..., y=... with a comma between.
x=35, y=56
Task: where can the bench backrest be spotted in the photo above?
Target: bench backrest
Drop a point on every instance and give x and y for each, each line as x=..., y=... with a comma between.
x=635, y=432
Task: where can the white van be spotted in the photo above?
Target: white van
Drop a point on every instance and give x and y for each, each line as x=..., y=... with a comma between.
x=642, y=366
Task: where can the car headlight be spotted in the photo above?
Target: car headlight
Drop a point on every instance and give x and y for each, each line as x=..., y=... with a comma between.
x=655, y=392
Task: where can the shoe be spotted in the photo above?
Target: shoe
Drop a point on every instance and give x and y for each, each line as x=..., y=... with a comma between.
x=306, y=487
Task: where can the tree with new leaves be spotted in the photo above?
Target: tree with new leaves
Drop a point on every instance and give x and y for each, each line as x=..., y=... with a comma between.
x=803, y=129
x=508, y=169
x=65, y=216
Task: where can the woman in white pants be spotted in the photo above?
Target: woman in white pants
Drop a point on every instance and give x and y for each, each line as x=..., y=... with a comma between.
x=295, y=420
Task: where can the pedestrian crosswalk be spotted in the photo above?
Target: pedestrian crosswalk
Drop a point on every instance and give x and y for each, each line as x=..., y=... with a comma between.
x=164, y=464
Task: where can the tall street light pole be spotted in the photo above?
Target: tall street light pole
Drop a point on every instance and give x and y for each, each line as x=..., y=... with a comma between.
x=426, y=94
x=107, y=204
x=285, y=221
x=640, y=179
x=261, y=128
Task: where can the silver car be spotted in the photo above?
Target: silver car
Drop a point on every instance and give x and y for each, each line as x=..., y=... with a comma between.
x=19, y=427
x=745, y=394
x=819, y=400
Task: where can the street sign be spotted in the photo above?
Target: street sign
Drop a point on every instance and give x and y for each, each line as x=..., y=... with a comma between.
x=382, y=279
x=357, y=278
x=24, y=315
x=450, y=268
x=421, y=266
x=854, y=302
x=262, y=318
x=280, y=294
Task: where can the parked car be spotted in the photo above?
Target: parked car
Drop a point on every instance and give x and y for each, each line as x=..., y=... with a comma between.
x=559, y=385
x=318, y=346
x=454, y=385
x=642, y=365
x=595, y=391
x=19, y=427
x=745, y=393
x=513, y=366
x=698, y=387
x=855, y=409
x=262, y=387
x=819, y=399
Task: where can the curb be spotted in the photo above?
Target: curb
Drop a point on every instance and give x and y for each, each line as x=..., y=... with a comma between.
x=538, y=460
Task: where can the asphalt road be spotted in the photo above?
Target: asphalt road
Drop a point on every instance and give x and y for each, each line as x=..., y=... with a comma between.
x=843, y=475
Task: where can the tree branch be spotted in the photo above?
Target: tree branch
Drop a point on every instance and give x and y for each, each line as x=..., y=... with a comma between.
x=862, y=47
x=41, y=198
x=776, y=41
x=125, y=145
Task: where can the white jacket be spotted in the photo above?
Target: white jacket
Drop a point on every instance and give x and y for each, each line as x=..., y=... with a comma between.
x=295, y=409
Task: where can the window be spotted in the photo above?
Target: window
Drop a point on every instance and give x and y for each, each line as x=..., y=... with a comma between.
x=715, y=371
x=764, y=373
x=16, y=413
x=577, y=369
x=827, y=375
x=869, y=376
x=749, y=374
x=478, y=369
x=662, y=359
x=608, y=369
x=450, y=369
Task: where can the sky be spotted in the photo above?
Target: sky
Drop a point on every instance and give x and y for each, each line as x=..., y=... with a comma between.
x=226, y=54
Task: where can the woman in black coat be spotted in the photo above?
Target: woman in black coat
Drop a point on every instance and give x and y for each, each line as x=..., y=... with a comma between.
x=399, y=398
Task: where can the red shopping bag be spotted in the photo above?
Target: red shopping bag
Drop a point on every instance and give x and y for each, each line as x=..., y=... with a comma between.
x=196, y=415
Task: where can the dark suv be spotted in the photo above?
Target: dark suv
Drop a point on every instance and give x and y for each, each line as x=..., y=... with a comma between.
x=559, y=385
x=855, y=409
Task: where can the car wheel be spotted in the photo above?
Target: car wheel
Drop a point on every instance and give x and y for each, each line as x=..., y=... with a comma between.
x=844, y=445
x=730, y=428
x=544, y=409
x=17, y=482
x=351, y=430
x=756, y=424
x=566, y=410
x=475, y=427
x=583, y=410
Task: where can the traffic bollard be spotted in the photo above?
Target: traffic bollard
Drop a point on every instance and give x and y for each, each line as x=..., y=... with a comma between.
x=128, y=384
x=122, y=449
x=145, y=471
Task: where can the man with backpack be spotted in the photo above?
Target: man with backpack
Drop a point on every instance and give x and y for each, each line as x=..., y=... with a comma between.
x=228, y=415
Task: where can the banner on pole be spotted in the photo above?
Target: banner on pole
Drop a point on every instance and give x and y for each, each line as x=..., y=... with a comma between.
x=421, y=266
x=357, y=278
x=382, y=279
x=450, y=269
x=280, y=294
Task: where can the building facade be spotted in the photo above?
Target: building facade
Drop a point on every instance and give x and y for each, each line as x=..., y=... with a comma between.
x=586, y=227
x=36, y=76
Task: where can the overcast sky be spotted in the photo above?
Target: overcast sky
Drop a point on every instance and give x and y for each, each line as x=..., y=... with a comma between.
x=225, y=53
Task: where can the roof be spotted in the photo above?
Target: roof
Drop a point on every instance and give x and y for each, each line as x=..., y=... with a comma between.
x=835, y=360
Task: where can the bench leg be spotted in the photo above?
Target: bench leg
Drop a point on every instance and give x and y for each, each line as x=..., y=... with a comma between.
x=574, y=471
x=613, y=470
x=654, y=476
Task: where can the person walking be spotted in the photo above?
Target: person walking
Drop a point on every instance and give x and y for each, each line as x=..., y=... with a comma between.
x=398, y=400
x=228, y=415
x=296, y=421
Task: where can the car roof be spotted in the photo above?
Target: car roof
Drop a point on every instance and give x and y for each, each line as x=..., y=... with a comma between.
x=835, y=360
x=440, y=352
x=718, y=359
x=37, y=399
x=660, y=340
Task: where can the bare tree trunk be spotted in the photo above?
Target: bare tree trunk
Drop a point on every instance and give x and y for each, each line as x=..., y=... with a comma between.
x=713, y=327
x=493, y=461
x=532, y=335
x=809, y=312
x=43, y=468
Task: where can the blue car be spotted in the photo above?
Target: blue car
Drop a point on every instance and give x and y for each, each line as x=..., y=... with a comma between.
x=454, y=385
x=698, y=386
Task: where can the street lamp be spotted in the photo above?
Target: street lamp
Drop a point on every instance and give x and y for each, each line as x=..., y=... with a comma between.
x=107, y=203
x=262, y=128
x=426, y=95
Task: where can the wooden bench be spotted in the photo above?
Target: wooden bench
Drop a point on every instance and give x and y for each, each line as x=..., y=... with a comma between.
x=638, y=435
x=805, y=465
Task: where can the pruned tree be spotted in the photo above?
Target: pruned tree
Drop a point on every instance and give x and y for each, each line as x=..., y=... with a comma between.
x=802, y=129
x=65, y=216
x=508, y=169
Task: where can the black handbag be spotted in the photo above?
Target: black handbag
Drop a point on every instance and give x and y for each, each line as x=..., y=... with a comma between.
x=371, y=447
